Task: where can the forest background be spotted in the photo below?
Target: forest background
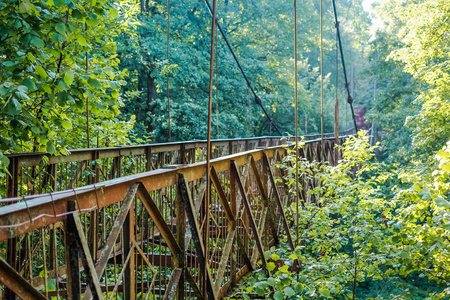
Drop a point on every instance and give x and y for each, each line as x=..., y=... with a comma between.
x=62, y=61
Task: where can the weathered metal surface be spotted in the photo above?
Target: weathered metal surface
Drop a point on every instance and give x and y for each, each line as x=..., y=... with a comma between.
x=143, y=236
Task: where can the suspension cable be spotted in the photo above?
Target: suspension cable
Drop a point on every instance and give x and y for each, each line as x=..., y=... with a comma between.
x=168, y=52
x=296, y=121
x=258, y=99
x=209, y=148
x=217, y=84
x=349, y=97
x=336, y=107
x=321, y=76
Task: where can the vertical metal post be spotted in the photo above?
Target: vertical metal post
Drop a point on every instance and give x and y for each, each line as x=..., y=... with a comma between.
x=180, y=235
x=72, y=253
x=233, y=269
x=183, y=154
x=148, y=156
x=12, y=191
x=128, y=238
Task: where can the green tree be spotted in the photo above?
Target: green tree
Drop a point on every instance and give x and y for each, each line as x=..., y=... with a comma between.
x=55, y=56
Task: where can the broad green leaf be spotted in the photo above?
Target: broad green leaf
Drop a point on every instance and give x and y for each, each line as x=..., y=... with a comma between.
x=51, y=148
x=441, y=202
x=288, y=291
x=62, y=85
x=68, y=77
x=22, y=95
x=58, y=2
x=14, y=107
x=24, y=6
x=270, y=266
x=81, y=40
x=324, y=292
x=41, y=71
x=95, y=83
x=29, y=83
x=404, y=254
x=56, y=37
x=100, y=106
x=77, y=14
x=278, y=295
x=61, y=27
x=9, y=64
x=62, y=97
x=275, y=257
x=35, y=130
x=37, y=42
x=66, y=125
x=114, y=85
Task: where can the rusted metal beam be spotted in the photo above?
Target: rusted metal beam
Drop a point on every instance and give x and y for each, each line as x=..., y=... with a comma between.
x=89, y=268
x=222, y=197
x=113, y=235
x=265, y=199
x=16, y=283
x=173, y=283
x=280, y=207
x=196, y=234
x=160, y=223
x=223, y=265
x=235, y=171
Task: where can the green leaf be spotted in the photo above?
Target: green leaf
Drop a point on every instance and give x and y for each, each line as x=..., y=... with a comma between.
x=270, y=266
x=56, y=37
x=404, y=254
x=4, y=160
x=293, y=256
x=275, y=257
x=95, y=83
x=81, y=40
x=68, y=77
x=37, y=42
x=24, y=6
x=35, y=130
x=51, y=148
x=61, y=27
x=288, y=291
x=62, y=97
x=324, y=292
x=62, y=85
x=66, y=125
x=29, y=83
x=114, y=85
x=441, y=202
x=77, y=14
x=21, y=95
x=14, y=107
x=9, y=64
x=58, y=2
x=271, y=281
x=278, y=295
x=40, y=70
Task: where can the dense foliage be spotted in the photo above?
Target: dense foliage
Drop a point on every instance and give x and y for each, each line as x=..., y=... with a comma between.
x=368, y=230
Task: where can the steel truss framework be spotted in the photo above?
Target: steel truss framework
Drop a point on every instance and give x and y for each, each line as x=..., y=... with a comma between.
x=146, y=235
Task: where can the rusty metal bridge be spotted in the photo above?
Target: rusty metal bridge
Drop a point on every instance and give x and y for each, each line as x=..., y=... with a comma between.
x=131, y=222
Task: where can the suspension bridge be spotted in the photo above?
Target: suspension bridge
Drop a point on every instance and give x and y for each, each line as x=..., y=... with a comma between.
x=184, y=220
x=133, y=222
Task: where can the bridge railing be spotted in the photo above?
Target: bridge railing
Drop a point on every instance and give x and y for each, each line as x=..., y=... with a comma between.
x=150, y=235
x=38, y=173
